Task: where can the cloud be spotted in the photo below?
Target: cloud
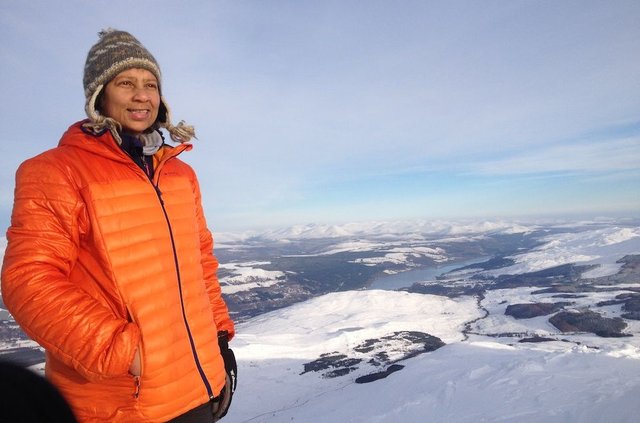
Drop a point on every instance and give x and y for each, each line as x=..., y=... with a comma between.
x=407, y=87
x=294, y=101
x=617, y=155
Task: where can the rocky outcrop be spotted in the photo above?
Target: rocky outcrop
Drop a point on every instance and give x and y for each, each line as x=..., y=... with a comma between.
x=379, y=375
x=376, y=352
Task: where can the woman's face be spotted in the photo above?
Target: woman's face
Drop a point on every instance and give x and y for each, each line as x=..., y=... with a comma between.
x=132, y=98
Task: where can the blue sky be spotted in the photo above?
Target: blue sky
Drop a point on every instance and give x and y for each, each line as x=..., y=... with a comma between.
x=335, y=111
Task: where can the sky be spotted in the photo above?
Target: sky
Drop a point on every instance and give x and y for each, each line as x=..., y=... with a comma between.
x=338, y=111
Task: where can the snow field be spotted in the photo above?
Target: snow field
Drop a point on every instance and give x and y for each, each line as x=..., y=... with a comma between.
x=480, y=380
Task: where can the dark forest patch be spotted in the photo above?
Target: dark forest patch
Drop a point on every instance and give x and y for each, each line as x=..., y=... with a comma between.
x=527, y=311
x=589, y=321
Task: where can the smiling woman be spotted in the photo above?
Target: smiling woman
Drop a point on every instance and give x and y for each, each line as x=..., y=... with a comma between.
x=109, y=264
x=114, y=69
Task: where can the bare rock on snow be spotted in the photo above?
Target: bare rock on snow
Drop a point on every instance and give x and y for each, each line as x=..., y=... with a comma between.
x=377, y=352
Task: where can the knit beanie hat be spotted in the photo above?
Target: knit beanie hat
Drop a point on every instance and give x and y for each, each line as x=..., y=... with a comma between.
x=115, y=52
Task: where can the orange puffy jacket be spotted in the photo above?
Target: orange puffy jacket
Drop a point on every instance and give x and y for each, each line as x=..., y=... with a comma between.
x=100, y=260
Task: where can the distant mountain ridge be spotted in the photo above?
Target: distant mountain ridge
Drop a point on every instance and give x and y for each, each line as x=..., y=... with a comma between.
x=379, y=229
x=416, y=227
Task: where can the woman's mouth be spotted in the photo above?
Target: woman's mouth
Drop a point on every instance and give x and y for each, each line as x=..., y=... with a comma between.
x=139, y=114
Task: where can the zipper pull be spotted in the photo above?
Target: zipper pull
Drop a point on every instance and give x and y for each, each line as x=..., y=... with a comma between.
x=136, y=381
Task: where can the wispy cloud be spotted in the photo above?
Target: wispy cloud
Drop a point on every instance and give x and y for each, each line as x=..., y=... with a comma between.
x=295, y=102
x=617, y=155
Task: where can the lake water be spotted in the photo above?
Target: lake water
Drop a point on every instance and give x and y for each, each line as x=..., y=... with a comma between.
x=408, y=278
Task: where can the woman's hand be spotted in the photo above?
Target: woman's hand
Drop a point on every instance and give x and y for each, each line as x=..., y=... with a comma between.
x=135, y=367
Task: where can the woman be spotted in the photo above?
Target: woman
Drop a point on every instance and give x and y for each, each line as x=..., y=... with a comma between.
x=109, y=264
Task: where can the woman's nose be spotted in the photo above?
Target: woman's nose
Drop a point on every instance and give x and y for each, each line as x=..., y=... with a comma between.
x=141, y=94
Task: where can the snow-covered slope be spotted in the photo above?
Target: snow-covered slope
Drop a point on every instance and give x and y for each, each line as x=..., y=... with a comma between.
x=477, y=380
x=303, y=363
x=602, y=246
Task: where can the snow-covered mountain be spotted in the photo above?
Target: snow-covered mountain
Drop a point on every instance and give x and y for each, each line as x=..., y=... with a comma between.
x=480, y=379
x=262, y=272
x=303, y=363
x=543, y=327
x=417, y=228
x=599, y=246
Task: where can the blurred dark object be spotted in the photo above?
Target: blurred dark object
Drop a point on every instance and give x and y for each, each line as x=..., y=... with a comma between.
x=28, y=397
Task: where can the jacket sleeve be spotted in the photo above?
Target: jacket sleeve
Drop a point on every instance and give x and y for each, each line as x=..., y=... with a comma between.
x=210, y=268
x=46, y=225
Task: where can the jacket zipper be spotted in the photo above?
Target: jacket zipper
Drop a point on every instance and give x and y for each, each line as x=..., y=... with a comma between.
x=179, y=279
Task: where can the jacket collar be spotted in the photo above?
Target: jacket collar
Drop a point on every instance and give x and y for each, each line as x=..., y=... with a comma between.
x=105, y=145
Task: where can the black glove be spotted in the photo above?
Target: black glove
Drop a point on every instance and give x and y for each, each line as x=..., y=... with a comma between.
x=231, y=368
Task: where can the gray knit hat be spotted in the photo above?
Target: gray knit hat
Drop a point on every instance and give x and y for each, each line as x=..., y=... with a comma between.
x=115, y=52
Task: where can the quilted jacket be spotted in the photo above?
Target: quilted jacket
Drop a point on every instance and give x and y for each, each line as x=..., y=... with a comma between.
x=101, y=259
